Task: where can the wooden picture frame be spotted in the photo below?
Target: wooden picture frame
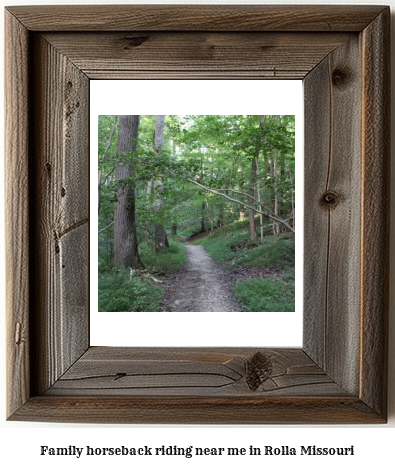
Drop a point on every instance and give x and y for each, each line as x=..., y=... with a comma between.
x=340, y=373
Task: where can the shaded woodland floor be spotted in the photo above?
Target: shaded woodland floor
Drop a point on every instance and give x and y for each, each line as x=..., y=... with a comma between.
x=200, y=286
x=221, y=270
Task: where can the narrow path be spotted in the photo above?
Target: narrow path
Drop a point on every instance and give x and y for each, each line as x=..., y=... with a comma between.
x=200, y=286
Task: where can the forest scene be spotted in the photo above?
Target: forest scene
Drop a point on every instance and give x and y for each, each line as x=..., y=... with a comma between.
x=196, y=213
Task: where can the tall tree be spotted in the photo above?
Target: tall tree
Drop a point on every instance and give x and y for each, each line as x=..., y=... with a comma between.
x=114, y=126
x=125, y=234
x=253, y=179
x=161, y=241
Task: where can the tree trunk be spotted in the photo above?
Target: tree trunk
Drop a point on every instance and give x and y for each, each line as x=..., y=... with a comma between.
x=220, y=221
x=161, y=241
x=276, y=226
x=292, y=201
x=99, y=187
x=114, y=126
x=125, y=234
x=203, y=217
x=211, y=216
x=253, y=179
x=251, y=197
x=258, y=190
x=242, y=213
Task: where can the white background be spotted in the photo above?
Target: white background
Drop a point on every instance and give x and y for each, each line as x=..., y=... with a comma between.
x=19, y=442
x=185, y=97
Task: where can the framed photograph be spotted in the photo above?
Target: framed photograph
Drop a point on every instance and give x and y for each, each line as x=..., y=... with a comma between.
x=339, y=375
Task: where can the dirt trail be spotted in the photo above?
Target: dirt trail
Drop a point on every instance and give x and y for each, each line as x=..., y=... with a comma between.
x=200, y=286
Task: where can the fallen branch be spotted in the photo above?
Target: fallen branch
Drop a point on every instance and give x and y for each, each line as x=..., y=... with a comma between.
x=150, y=276
x=105, y=228
x=217, y=192
x=268, y=213
x=143, y=273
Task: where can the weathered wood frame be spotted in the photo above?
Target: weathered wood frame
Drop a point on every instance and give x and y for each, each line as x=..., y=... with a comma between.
x=342, y=54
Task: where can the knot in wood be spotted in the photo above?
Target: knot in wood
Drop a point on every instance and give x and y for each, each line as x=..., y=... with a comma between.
x=135, y=41
x=339, y=77
x=330, y=199
x=259, y=369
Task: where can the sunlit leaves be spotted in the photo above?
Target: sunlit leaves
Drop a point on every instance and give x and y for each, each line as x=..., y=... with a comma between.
x=214, y=150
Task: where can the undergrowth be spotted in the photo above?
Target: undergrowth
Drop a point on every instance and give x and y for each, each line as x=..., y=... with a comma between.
x=232, y=247
x=165, y=262
x=236, y=249
x=266, y=295
x=119, y=291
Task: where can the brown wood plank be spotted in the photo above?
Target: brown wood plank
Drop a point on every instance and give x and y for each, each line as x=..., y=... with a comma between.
x=74, y=174
x=197, y=17
x=74, y=293
x=376, y=212
x=17, y=213
x=344, y=249
x=340, y=377
x=333, y=157
x=60, y=250
x=317, y=114
x=269, y=55
x=192, y=372
x=199, y=386
x=198, y=410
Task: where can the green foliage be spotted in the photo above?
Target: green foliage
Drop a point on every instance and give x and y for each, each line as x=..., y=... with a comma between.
x=105, y=252
x=199, y=152
x=272, y=253
x=266, y=295
x=218, y=244
x=214, y=150
x=186, y=232
x=119, y=292
x=231, y=244
x=167, y=261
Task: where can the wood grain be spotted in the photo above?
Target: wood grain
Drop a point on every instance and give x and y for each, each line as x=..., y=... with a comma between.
x=344, y=253
x=191, y=372
x=332, y=302
x=198, y=410
x=196, y=17
x=17, y=213
x=339, y=376
x=60, y=247
x=191, y=55
x=317, y=112
x=376, y=212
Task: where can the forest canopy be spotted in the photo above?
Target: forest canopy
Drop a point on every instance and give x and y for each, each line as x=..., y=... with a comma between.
x=163, y=179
